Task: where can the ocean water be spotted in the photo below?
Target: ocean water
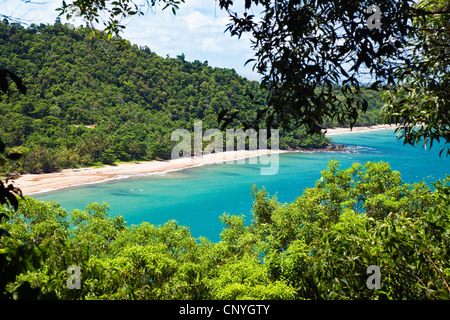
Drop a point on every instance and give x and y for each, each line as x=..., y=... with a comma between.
x=197, y=197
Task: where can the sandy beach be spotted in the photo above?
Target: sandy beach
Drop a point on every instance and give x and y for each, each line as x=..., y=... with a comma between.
x=36, y=183
x=336, y=131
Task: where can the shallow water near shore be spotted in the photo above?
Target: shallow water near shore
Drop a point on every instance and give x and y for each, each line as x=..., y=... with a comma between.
x=196, y=197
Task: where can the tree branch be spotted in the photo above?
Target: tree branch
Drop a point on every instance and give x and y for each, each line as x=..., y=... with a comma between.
x=437, y=269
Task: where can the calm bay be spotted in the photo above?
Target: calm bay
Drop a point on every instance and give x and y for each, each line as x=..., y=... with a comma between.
x=196, y=197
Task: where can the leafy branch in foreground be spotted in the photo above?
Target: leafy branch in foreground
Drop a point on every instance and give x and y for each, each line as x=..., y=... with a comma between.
x=420, y=102
x=112, y=13
x=305, y=48
x=7, y=191
x=14, y=260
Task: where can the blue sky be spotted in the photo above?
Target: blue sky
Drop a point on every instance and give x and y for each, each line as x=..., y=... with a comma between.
x=197, y=30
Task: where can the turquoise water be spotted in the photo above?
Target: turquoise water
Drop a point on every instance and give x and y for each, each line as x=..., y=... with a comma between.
x=196, y=197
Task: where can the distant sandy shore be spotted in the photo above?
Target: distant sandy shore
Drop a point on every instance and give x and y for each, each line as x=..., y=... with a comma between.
x=336, y=131
x=37, y=183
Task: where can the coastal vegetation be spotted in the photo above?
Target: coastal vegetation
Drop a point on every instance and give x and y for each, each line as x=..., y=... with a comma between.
x=91, y=103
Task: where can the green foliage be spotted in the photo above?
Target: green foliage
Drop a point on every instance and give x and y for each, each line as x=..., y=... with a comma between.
x=14, y=259
x=90, y=103
x=359, y=217
x=304, y=49
x=317, y=247
x=421, y=101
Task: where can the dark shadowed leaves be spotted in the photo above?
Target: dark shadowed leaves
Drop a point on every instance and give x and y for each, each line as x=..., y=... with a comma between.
x=4, y=85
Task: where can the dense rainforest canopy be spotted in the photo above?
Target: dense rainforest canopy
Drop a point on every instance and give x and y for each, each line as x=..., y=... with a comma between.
x=91, y=102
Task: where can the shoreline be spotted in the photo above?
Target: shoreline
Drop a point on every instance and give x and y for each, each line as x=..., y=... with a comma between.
x=67, y=178
x=337, y=131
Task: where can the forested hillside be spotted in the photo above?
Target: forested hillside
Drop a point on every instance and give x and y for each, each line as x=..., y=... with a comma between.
x=90, y=102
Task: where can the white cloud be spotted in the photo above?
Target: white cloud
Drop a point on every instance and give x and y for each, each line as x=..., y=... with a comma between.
x=196, y=20
x=211, y=45
x=197, y=30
